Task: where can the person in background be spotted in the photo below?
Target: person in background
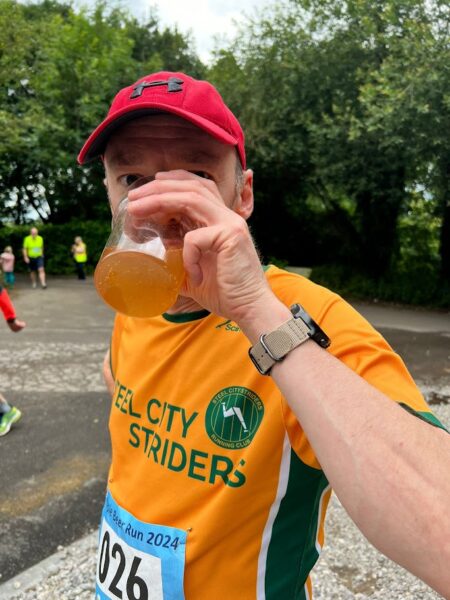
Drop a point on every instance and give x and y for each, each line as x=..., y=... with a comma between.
x=33, y=255
x=8, y=414
x=79, y=253
x=7, y=260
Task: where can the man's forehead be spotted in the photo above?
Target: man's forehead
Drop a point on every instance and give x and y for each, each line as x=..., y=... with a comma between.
x=160, y=126
x=126, y=145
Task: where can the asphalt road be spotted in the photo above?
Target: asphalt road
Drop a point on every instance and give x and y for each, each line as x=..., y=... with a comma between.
x=54, y=462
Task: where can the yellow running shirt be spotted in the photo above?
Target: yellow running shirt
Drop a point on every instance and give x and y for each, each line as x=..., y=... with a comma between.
x=33, y=246
x=201, y=442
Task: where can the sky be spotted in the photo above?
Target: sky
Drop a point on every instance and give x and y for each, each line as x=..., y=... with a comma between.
x=203, y=18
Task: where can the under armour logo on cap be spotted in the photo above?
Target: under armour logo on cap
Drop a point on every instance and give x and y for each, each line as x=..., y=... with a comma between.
x=173, y=85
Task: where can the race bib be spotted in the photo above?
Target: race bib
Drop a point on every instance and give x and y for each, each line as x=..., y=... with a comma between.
x=137, y=560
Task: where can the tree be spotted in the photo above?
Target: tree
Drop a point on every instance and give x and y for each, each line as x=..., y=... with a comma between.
x=311, y=84
x=66, y=66
x=414, y=102
x=162, y=49
x=60, y=69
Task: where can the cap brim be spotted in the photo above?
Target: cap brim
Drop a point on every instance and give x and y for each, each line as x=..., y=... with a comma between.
x=96, y=143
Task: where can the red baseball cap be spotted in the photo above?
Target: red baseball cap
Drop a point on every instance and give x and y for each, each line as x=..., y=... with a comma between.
x=194, y=100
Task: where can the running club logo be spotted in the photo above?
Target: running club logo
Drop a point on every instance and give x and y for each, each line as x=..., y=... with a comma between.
x=233, y=417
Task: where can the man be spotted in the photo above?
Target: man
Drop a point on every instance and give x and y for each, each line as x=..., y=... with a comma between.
x=33, y=255
x=220, y=474
x=8, y=414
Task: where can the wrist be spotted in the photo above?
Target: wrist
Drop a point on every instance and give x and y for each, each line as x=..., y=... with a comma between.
x=11, y=323
x=263, y=316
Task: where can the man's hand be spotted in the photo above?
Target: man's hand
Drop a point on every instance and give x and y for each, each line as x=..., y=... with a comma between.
x=16, y=325
x=223, y=270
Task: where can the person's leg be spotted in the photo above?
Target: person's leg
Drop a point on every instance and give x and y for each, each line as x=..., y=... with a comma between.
x=41, y=272
x=4, y=406
x=9, y=280
x=80, y=271
x=33, y=277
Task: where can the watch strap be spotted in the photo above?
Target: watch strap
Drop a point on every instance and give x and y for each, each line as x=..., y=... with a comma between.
x=273, y=347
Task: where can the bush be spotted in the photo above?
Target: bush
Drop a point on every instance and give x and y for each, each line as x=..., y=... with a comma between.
x=419, y=285
x=58, y=240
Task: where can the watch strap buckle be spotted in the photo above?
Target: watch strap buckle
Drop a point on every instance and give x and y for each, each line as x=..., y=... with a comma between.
x=272, y=347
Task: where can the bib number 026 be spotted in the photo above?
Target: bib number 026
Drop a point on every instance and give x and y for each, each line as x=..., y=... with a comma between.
x=134, y=583
x=125, y=572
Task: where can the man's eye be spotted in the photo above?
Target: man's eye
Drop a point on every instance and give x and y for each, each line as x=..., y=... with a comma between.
x=128, y=180
x=202, y=174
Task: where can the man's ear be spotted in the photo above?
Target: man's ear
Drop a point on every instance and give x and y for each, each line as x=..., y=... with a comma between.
x=244, y=206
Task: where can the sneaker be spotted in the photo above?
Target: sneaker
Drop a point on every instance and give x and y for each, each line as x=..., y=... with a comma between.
x=34, y=286
x=8, y=419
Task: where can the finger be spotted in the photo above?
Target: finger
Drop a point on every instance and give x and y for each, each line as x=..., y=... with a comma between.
x=182, y=175
x=183, y=182
x=196, y=244
x=172, y=203
x=174, y=175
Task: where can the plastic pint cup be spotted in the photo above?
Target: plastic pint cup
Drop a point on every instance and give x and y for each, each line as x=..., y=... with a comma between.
x=140, y=271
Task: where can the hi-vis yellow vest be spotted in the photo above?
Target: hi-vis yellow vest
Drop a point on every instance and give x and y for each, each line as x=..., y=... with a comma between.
x=80, y=257
x=203, y=443
x=33, y=246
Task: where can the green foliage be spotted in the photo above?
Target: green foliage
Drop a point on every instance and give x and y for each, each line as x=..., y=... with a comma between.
x=418, y=231
x=416, y=286
x=59, y=70
x=345, y=108
x=58, y=240
x=414, y=275
x=168, y=49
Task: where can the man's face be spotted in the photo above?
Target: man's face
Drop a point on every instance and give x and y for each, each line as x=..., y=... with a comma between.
x=157, y=143
x=33, y=231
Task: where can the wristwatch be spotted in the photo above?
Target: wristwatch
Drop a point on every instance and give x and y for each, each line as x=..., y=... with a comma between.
x=274, y=346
